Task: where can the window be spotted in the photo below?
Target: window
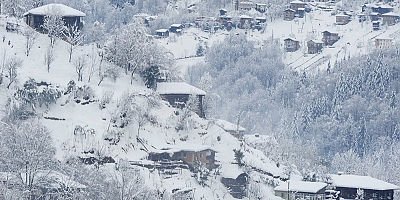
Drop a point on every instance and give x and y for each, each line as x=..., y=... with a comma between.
x=184, y=154
x=201, y=155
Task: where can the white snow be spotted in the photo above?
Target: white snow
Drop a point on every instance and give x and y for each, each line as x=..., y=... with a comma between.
x=363, y=182
x=300, y=186
x=65, y=10
x=227, y=126
x=178, y=88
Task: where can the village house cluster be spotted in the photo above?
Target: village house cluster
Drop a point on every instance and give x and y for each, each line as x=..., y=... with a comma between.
x=378, y=13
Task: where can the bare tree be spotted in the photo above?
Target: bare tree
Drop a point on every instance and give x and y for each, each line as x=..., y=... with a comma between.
x=80, y=64
x=74, y=37
x=31, y=36
x=94, y=62
x=11, y=66
x=49, y=58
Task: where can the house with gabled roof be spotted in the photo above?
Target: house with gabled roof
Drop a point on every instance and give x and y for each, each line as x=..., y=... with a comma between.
x=342, y=19
x=288, y=14
x=314, y=46
x=390, y=18
x=178, y=93
x=291, y=45
x=71, y=17
x=382, y=42
x=293, y=189
x=329, y=38
x=372, y=188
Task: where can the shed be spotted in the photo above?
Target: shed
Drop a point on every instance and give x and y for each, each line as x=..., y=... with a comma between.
x=175, y=28
x=71, y=17
x=162, y=32
x=178, y=93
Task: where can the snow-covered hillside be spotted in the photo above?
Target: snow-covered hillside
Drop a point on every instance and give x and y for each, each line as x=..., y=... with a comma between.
x=78, y=127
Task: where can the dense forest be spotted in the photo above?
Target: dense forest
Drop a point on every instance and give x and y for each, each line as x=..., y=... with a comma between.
x=344, y=118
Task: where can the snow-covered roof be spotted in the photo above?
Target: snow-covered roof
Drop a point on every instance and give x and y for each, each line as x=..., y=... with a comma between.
x=162, y=30
x=53, y=179
x=178, y=88
x=291, y=10
x=316, y=41
x=391, y=14
x=65, y=10
x=290, y=39
x=297, y=2
x=301, y=186
x=183, y=147
x=227, y=126
x=383, y=37
x=231, y=171
x=341, y=15
x=385, y=6
x=176, y=25
x=363, y=182
x=261, y=18
x=245, y=17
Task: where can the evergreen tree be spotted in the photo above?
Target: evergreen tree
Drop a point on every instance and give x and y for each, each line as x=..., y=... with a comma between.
x=150, y=76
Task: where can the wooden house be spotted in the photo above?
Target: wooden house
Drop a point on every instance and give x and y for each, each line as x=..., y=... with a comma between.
x=390, y=18
x=372, y=188
x=314, y=46
x=261, y=7
x=296, y=4
x=245, y=6
x=234, y=129
x=260, y=20
x=178, y=93
x=236, y=181
x=71, y=17
x=378, y=8
x=162, y=32
x=291, y=45
x=329, y=38
x=224, y=20
x=383, y=42
x=292, y=189
x=188, y=153
x=176, y=28
x=245, y=21
x=342, y=19
x=288, y=14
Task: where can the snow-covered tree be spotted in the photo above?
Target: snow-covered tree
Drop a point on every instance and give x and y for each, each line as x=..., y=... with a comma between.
x=11, y=66
x=74, y=37
x=49, y=58
x=27, y=148
x=53, y=23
